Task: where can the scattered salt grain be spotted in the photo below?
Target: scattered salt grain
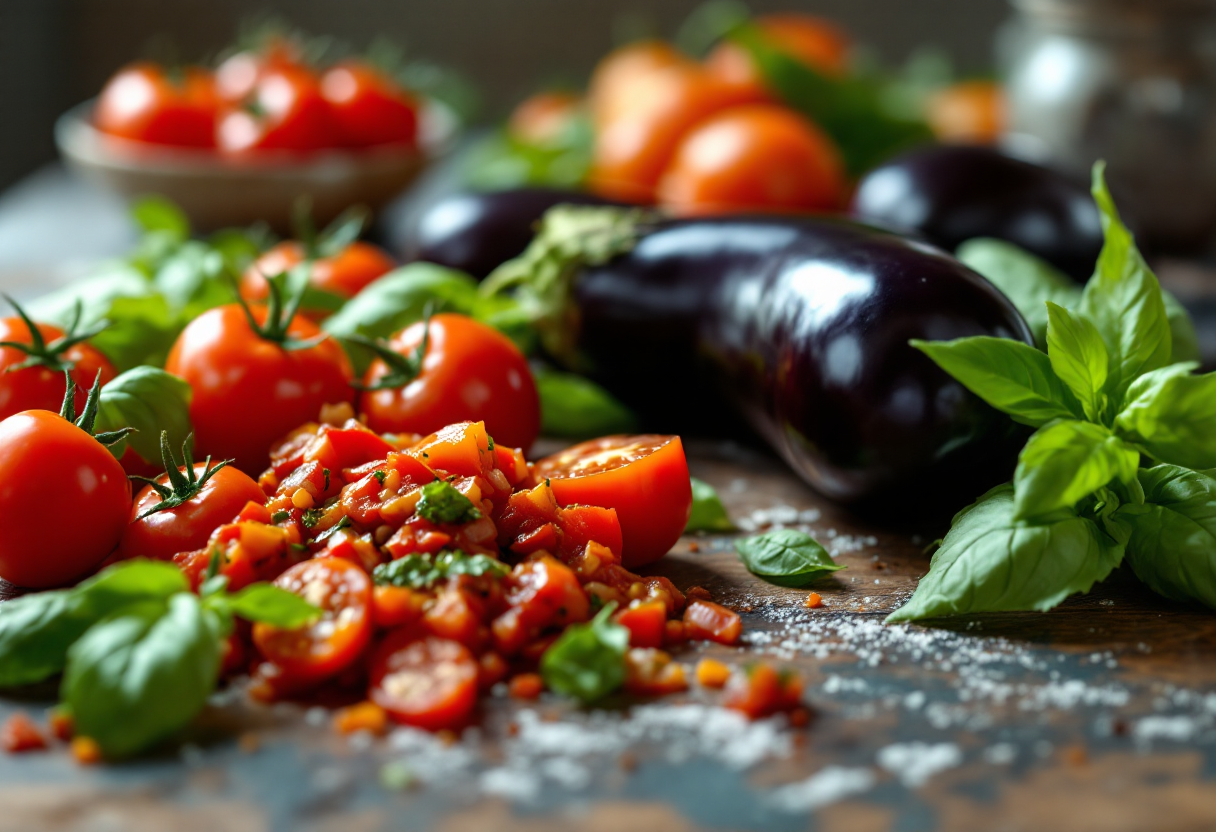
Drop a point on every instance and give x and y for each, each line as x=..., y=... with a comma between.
x=1001, y=754
x=828, y=786
x=915, y=763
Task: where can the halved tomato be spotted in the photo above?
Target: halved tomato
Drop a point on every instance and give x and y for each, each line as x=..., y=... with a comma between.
x=426, y=682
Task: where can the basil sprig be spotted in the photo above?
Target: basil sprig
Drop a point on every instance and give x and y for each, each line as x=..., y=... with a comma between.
x=786, y=557
x=708, y=514
x=1113, y=388
x=588, y=661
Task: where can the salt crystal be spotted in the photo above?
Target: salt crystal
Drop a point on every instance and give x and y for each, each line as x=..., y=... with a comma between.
x=828, y=786
x=915, y=763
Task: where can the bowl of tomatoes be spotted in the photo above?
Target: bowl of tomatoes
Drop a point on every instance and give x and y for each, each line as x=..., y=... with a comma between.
x=242, y=142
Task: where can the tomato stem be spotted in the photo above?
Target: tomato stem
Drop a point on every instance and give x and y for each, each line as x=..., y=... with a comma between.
x=280, y=313
x=182, y=486
x=335, y=237
x=39, y=352
x=88, y=419
x=402, y=369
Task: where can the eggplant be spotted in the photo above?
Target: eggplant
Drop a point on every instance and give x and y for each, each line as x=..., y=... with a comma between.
x=952, y=193
x=803, y=324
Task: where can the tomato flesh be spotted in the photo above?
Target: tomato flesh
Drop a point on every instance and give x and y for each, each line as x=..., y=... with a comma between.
x=428, y=682
x=713, y=622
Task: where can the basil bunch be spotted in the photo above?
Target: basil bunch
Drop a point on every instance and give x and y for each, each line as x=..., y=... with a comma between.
x=1109, y=392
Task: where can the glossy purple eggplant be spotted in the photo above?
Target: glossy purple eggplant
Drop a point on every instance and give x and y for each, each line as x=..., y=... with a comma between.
x=804, y=326
x=951, y=193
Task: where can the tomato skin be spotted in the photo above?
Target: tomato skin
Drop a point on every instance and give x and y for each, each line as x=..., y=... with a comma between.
x=144, y=103
x=755, y=158
x=368, y=107
x=429, y=682
x=713, y=622
x=471, y=372
x=645, y=478
x=188, y=526
x=544, y=118
x=646, y=621
x=345, y=274
x=761, y=690
x=285, y=111
x=39, y=387
x=249, y=392
x=968, y=112
x=51, y=470
x=239, y=73
x=813, y=41
x=621, y=72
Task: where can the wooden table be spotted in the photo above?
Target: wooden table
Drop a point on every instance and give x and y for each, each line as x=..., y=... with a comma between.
x=1098, y=716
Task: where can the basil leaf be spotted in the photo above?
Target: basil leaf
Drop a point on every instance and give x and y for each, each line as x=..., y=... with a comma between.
x=1078, y=358
x=500, y=162
x=1182, y=330
x=1171, y=414
x=1173, y=535
x=1026, y=280
x=786, y=557
x=442, y=503
x=1123, y=300
x=573, y=407
x=156, y=214
x=193, y=279
x=1012, y=377
x=151, y=401
x=708, y=514
x=132, y=580
x=1066, y=461
x=423, y=571
x=270, y=604
x=139, y=676
x=991, y=562
x=588, y=661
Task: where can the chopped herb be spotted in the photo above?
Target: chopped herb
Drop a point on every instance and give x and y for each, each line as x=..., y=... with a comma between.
x=422, y=571
x=380, y=476
x=279, y=516
x=344, y=523
x=325, y=471
x=491, y=447
x=312, y=517
x=442, y=503
x=299, y=547
x=588, y=661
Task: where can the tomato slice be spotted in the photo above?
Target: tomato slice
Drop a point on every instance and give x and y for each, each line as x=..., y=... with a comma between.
x=645, y=478
x=429, y=683
x=315, y=651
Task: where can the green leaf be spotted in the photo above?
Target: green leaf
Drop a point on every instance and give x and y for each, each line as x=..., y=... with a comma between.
x=500, y=162
x=588, y=661
x=1026, y=280
x=1078, y=358
x=151, y=401
x=708, y=514
x=157, y=214
x=138, y=677
x=573, y=407
x=270, y=604
x=1182, y=330
x=193, y=279
x=442, y=503
x=991, y=562
x=1066, y=461
x=1011, y=376
x=1173, y=535
x=1123, y=300
x=786, y=557
x=1171, y=414
x=423, y=571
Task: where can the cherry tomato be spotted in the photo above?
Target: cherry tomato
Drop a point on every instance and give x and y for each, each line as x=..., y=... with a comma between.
x=369, y=108
x=811, y=40
x=469, y=372
x=146, y=103
x=41, y=386
x=239, y=73
x=645, y=478
x=759, y=157
x=249, y=390
x=308, y=654
x=189, y=525
x=344, y=274
x=429, y=683
x=64, y=500
x=971, y=112
x=285, y=111
x=620, y=74
x=544, y=118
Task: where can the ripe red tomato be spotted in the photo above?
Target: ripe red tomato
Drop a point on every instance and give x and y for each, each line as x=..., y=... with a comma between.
x=249, y=389
x=759, y=157
x=369, y=108
x=42, y=385
x=469, y=372
x=544, y=118
x=811, y=40
x=146, y=103
x=623, y=71
x=64, y=500
x=645, y=478
x=970, y=111
x=429, y=683
x=344, y=274
x=285, y=111
x=343, y=592
x=239, y=73
x=187, y=526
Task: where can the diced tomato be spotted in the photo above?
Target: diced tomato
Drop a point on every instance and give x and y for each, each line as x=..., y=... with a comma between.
x=346, y=447
x=456, y=616
x=711, y=673
x=650, y=672
x=646, y=622
x=491, y=669
x=462, y=449
x=761, y=691
x=86, y=751
x=19, y=734
x=396, y=606
x=581, y=525
x=235, y=657
x=540, y=593
x=429, y=683
x=512, y=464
x=714, y=622
x=362, y=716
x=526, y=686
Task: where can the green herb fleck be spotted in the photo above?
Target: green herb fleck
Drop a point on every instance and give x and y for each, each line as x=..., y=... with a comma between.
x=588, y=661
x=423, y=571
x=442, y=503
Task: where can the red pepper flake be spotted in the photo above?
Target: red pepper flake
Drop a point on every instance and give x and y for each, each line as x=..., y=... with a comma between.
x=19, y=734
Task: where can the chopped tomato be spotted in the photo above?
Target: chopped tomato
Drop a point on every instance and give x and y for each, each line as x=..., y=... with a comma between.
x=19, y=733
x=651, y=672
x=646, y=622
x=396, y=606
x=526, y=686
x=761, y=691
x=429, y=683
x=456, y=615
x=462, y=449
x=362, y=716
x=711, y=673
x=714, y=622
x=540, y=593
x=968, y=112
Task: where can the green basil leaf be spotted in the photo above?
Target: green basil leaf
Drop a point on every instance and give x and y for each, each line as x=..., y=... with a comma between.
x=137, y=677
x=1011, y=376
x=270, y=604
x=132, y=580
x=1067, y=461
x=1173, y=535
x=442, y=503
x=424, y=571
x=155, y=213
x=588, y=661
x=1123, y=300
x=1171, y=414
x=991, y=562
x=573, y=407
x=708, y=514
x=151, y=401
x=193, y=279
x=1078, y=358
x=500, y=162
x=1182, y=330
x=786, y=557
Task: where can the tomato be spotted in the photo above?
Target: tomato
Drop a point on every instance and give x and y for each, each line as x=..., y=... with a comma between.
x=147, y=103
x=971, y=111
x=369, y=107
x=813, y=41
x=344, y=274
x=544, y=118
x=761, y=691
x=429, y=682
x=468, y=372
x=20, y=734
x=651, y=672
x=760, y=157
x=239, y=73
x=64, y=500
x=216, y=497
x=41, y=385
x=620, y=74
x=250, y=389
x=462, y=449
x=645, y=478
x=713, y=622
x=307, y=654
x=285, y=111
x=396, y=606
x=646, y=622
x=541, y=593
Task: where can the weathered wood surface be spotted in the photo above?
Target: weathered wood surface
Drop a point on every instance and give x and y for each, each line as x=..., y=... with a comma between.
x=1098, y=716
